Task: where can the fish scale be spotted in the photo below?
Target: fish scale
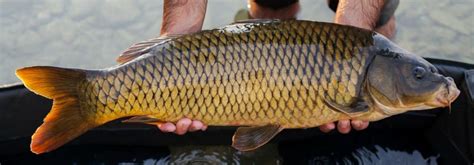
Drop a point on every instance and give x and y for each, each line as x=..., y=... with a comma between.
x=248, y=74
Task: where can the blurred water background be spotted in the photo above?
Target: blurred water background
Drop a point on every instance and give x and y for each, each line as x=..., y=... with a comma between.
x=90, y=33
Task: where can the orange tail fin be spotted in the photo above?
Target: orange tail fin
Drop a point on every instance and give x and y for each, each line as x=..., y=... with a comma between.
x=66, y=120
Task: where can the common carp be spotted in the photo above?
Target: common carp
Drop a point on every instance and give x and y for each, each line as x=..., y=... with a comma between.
x=265, y=76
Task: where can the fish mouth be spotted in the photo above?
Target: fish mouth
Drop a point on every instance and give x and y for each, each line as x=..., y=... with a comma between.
x=449, y=93
x=442, y=101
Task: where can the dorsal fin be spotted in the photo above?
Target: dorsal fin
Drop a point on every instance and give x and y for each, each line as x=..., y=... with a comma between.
x=138, y=49
x=255, y=21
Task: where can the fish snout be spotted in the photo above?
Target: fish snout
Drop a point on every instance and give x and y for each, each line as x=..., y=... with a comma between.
x=448, y=94
x=453, y=91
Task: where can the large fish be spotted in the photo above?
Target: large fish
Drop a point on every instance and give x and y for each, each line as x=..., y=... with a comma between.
x=268, y=75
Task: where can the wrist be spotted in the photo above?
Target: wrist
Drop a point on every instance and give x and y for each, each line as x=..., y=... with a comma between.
x=182, y=16
x=362, y=13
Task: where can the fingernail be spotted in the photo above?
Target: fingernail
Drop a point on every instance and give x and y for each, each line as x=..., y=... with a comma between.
x=331, y=126
x=344, y=124
x=168, y=127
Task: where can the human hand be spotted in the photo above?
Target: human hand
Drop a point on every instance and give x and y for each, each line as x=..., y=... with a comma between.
x=182, y=126
x=388, y=29
x=182, y=17
x=365, y=14
x=344, y=126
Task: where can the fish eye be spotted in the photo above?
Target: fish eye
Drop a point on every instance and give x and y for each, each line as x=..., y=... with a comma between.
x=419, y=72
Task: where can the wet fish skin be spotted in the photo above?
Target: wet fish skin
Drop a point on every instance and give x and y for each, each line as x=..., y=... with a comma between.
x=243, y=74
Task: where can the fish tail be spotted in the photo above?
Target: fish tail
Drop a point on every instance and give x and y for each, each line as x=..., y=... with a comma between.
x=66, y=120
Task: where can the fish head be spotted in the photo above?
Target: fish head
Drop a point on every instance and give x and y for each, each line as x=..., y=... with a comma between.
x=399, y=81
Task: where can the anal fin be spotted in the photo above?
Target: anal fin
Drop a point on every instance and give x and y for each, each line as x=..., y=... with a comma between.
x=250, y=138
x=143, y=119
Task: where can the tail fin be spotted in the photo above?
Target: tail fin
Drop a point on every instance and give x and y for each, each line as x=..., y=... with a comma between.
x=66, y=120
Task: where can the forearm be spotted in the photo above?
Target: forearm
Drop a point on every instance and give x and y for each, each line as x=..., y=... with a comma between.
x=359, y=13
x=182, y=16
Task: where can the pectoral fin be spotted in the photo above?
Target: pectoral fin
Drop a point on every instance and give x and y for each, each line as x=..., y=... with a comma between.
x=143, y=119
x=250, y=138
x=357, y=108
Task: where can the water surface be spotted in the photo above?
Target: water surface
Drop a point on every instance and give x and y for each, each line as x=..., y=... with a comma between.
x=391, y=146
